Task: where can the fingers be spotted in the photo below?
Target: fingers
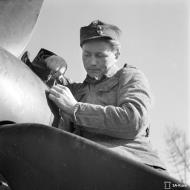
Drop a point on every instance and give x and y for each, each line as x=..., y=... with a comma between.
x=57, y=91
x=52, y=97
x=63, y=98
x=54, y=92
x=62, y=87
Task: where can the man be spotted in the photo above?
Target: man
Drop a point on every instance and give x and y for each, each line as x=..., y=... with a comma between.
x=111, y=106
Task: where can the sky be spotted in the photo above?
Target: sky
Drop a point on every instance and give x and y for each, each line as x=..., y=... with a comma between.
x=154, y=39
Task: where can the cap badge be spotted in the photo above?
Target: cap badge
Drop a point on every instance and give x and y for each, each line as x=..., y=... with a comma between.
x=99, y=30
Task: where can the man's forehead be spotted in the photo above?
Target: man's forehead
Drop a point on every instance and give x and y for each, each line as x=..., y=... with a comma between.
x=97, y=45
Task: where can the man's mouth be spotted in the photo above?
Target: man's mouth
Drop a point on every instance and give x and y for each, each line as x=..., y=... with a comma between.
x=93, y=70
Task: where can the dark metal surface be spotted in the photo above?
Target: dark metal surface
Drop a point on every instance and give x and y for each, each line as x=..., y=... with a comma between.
x=42, y=157
x=23, y=95
x=17, y=19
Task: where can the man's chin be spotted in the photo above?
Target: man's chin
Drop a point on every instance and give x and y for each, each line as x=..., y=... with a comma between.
x=94, y=76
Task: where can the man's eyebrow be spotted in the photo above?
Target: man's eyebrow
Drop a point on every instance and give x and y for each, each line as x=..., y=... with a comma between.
x=86, y=51
x=99, y=52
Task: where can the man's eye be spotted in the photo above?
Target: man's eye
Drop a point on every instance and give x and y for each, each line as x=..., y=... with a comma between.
x=101, y=55
x=86, y=55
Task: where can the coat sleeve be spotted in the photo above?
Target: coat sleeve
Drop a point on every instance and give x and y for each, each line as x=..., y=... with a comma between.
x=129, y=118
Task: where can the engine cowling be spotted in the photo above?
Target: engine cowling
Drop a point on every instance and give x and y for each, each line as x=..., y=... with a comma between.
x=23, y=96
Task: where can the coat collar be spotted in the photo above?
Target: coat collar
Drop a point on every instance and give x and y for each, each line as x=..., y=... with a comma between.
x=111, y=72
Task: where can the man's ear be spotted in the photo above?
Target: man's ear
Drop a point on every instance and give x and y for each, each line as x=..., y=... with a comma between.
x=117, y=53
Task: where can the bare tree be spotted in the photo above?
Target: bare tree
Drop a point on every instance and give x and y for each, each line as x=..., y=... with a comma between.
x=178, y=154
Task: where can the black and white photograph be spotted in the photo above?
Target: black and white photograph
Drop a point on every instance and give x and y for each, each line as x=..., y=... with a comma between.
x=94, y=95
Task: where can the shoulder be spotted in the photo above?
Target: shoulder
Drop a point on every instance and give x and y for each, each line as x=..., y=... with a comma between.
x=130, y=71
x=78, y=89
x=75, y=86
x=134, y=84
x=130, y=74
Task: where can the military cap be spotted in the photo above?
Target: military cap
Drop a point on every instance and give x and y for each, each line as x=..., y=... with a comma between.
x=98, y=29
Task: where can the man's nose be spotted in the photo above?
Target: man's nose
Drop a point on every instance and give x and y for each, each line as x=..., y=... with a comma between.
x=93, y=61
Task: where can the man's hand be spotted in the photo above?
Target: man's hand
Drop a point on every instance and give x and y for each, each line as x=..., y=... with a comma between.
x=63, y=98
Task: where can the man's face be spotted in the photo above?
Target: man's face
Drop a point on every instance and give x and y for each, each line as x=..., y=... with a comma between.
x=98, y=57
